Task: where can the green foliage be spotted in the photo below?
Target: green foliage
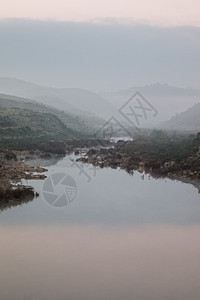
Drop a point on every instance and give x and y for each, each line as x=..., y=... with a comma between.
x=160, y=147
x=75, y=126
x=23, y=129
x=158, y=135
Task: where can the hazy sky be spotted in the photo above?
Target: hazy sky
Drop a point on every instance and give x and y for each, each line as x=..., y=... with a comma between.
x=100, y=44
x=156, y=12
x=99, y=56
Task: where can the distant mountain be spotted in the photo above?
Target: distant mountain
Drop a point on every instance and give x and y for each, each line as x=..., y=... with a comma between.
x=188, y=120
x=73, y=100
x=86, y=110
x=166, y=99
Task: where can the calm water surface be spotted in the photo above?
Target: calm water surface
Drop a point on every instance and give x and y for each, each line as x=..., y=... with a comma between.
x=123, y=237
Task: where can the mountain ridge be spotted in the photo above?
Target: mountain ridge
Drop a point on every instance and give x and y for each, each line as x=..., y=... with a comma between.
x=83, y=101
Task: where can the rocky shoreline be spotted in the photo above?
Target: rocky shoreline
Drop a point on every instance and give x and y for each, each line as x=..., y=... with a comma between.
x=12, y=170
x=187, y=171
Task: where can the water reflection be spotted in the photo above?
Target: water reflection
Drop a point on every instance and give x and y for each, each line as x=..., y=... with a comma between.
x=44, y=162
x=121, y=238
x=88, y=262
x=111, y=198
x=9, y=203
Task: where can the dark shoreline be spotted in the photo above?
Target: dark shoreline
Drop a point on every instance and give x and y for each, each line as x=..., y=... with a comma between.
x=117, y=158
x=141, y=155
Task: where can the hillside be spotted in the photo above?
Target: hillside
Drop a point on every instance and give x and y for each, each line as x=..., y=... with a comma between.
x=168, y=100
x=25, y=129
x=16, y=123
x=188, y=120
x=79, y=126
x=72, y=100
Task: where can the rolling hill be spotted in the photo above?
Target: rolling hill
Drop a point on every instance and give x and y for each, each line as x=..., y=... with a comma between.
x=72, y=100
x=188, y=120
x=168, y=100
x=17, y=123
x=28, y=125
x=76, y=125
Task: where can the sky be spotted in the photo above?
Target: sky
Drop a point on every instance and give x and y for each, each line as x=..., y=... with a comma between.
x=101, y=45
x=154, y=12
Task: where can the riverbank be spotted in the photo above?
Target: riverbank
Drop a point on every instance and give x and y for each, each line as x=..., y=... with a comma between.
x=12, y=170
x=187, y=170
x=135, y=161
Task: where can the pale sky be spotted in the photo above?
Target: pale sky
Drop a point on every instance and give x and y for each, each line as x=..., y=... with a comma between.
x=154, y=12
x=99, y=56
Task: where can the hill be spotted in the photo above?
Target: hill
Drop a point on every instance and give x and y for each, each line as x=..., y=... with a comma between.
x=17, y=123
x=22, y=129
x=72, y=100
x=188, y=120
x=168, y=100
x=76, y=125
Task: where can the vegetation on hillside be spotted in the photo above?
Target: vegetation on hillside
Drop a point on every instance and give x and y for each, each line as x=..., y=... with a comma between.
x=78, y=125
x=26, y=129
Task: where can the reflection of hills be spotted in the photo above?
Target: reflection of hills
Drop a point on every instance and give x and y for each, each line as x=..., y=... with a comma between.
x=9, y=202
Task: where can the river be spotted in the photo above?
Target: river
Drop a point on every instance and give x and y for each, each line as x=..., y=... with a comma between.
x=119, y=236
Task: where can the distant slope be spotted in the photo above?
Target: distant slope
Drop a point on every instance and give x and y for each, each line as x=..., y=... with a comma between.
x=168, y=100
x=188, y=120
x=72, y=100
